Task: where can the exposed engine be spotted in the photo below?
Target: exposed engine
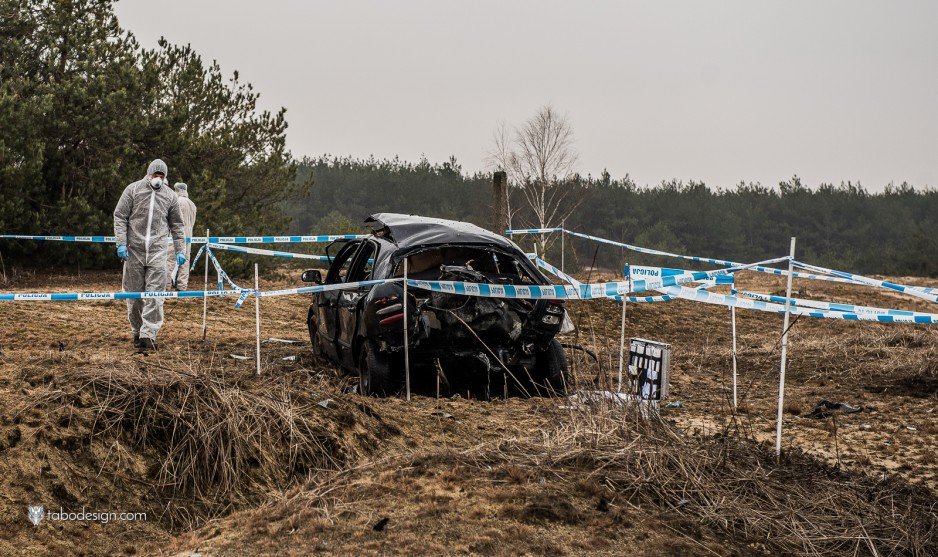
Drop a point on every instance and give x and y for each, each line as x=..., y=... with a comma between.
x=490, y=318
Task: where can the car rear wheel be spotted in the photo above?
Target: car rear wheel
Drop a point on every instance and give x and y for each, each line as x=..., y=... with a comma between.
x=374, y=373
x=553, y=371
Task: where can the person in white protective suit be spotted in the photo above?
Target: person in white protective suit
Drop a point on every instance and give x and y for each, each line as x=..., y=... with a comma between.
x=146, y=215
x=177, y=274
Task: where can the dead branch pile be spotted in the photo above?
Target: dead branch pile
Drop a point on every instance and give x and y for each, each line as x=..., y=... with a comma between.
x=212, y=444
x=733, y=487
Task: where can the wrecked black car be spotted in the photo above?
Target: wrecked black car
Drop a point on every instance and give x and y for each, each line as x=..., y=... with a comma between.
x=490, y=346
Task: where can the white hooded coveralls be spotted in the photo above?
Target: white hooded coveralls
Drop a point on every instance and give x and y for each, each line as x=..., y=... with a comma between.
x=144, y=219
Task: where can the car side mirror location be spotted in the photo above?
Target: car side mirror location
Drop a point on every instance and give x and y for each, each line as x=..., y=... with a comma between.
x=312, y=275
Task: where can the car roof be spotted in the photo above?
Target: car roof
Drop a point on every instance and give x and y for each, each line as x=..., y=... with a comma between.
x=412, y=230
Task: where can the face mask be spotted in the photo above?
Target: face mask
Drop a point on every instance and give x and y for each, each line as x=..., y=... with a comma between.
x=156, y=182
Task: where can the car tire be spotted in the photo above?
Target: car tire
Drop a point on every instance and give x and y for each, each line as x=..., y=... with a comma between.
x=314, y=339
x=317, y=344
x=553, y=370
x=374, y=372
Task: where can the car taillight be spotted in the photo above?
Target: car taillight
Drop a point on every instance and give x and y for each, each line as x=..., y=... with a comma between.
x=390, y=309
x=381, y=302
x=391, y=320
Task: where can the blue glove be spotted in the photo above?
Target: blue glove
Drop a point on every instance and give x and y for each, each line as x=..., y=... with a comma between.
x=180, y=259
x=122, y=252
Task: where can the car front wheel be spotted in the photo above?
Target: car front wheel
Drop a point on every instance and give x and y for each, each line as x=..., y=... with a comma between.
x=314, y=338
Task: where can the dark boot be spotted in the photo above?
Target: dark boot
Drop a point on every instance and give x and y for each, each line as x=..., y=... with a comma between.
x=147, y=345
x=136, y=341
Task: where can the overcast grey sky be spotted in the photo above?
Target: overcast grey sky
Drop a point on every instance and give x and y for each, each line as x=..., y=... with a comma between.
x=714, y=91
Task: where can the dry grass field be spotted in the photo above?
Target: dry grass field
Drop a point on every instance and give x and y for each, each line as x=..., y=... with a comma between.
x=228, y=463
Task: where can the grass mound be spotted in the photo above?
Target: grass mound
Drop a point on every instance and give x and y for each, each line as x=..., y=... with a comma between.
x=208, y=443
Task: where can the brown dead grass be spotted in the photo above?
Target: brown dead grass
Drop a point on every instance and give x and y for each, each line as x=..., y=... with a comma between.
x=85, y=422
x=595, y=481
x=214, y=443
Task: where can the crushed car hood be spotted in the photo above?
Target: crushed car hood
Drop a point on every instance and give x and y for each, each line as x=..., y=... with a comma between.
x=411, y=230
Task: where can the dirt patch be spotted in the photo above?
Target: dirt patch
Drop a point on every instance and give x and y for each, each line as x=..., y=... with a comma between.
x=550, y=507
x=918, y=386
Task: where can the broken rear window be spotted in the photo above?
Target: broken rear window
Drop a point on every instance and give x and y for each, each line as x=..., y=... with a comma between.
x=495, y=266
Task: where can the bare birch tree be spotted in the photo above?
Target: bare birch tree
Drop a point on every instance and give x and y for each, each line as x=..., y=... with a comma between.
x=539, y=158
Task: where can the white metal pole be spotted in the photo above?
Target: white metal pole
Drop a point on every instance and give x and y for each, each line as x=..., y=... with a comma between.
x=204, y=290
x=781, y=375
x=733, y=321
x=257, y=316
x=622, y=343
x=406, y=337
x=563, y=233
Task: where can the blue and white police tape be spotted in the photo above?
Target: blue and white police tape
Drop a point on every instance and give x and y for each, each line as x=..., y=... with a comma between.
x=638, y=272
x=195, y=259
x=650, y=251
x=222, y=275
x=510, y=291
x=761, y=269
x=89, y=239
x=245, y=293
x=569, y=292
x=557, y=272
x=719, y=279
x=257, y=251
x=708, y=278
x=272, y=253
x=576, y=284
x=320, y=239
x=512, y=232
x=831, y=306
x=218, y=270
x=911, y=291
x=693, y=276
x=643, y=299
x=631, y=247
x=242, y=294
x=90, y=296
x=325, y=287
x=701, y=295
x=838, y=276
x=703, y=285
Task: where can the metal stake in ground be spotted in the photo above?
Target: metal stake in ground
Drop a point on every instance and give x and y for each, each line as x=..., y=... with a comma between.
x=257, y=316
x=3, y=269
x=733, y=326
x=563, y=232
x=781, y=375
x=204, y=290
x=622, y=333
x=406, y=337
x=622, y=342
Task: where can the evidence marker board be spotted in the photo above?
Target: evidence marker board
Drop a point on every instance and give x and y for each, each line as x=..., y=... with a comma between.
x=649, y=367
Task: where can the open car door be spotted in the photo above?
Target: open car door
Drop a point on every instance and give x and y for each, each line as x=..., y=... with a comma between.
x=349, y=301
x=327, y=302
